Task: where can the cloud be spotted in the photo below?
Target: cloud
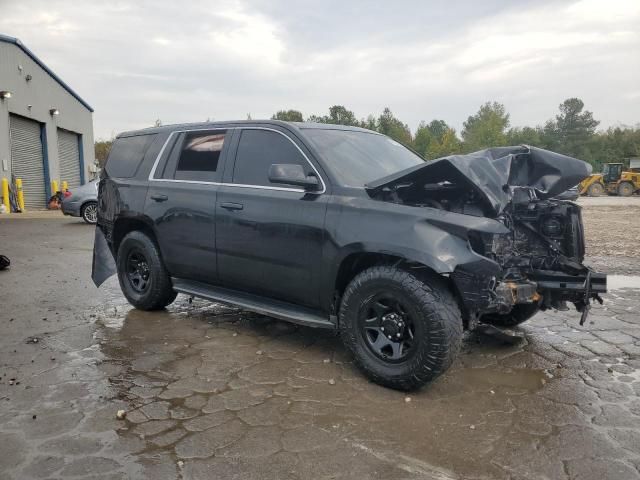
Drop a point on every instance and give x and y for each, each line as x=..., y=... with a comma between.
x=136, y=61
x=248, y=37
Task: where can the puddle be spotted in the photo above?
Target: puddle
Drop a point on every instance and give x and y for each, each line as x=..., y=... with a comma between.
x=510, y=381
x=198, y=373
x=619, y=282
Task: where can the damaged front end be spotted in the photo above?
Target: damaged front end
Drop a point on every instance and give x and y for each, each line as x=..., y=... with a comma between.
x=537, y=259
x=540, y=258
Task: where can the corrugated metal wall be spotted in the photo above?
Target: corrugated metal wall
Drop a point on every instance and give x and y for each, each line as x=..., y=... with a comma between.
x=27, y=160
x=69, y=158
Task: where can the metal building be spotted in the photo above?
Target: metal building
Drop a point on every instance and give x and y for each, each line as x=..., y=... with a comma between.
x=46, y=129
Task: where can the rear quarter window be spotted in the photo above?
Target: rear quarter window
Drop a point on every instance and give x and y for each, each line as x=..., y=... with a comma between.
x=127, y=154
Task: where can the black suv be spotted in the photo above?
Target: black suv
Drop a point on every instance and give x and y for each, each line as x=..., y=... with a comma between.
x=341, y=227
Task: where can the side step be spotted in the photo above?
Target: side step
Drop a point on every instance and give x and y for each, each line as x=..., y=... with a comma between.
x=254, y=303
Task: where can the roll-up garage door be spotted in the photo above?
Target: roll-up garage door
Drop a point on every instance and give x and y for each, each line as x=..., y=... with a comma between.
x=27, y=160
x=69, y=158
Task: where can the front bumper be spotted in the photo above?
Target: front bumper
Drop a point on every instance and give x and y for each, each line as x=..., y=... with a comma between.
x=571, y=286
x=483, y=291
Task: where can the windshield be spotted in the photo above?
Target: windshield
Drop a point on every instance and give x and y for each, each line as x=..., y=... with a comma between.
x=356, y=158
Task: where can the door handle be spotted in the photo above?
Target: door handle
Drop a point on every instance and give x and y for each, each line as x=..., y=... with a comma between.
x=159, y=198
x=232, y=206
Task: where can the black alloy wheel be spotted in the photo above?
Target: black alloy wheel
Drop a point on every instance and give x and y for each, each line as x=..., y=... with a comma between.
x=387, y=328
x=138, y=271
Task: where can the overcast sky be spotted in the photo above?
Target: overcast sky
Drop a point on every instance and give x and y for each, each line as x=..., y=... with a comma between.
x=136, y=61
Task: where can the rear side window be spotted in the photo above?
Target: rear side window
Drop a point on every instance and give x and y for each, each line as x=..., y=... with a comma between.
x=194, y=156
x=126, y=155
x=258, y=150
x=199, y=156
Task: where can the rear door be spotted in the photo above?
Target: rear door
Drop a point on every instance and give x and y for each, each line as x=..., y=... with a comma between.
x=181, y=201
x=269, y=236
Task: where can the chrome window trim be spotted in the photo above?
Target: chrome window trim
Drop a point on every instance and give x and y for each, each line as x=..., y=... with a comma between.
x=262, y=187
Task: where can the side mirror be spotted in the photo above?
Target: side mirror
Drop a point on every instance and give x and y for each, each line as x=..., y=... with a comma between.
x=292, y=174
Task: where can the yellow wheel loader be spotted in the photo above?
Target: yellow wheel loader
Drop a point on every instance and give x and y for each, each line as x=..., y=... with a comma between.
x=613, y=181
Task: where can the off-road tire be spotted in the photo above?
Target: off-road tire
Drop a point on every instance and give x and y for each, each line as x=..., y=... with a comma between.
x=433, y=306
x=159, y=292
x=519, y=314
x=84, y=213
x=595, y=190
x=625, y=189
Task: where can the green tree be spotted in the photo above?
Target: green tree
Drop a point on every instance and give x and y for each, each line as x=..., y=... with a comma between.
x=573, y=128
x=288, y=116
x=426, y=134
x=338, y=115
x=447, y=144
x=389, y=125
x=613, y=145
x=525, y=136
x=486, y=128
x=102, y=148
x=369, y=123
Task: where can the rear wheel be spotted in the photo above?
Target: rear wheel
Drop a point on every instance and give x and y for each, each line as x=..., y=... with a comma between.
x=625, y=189
x=518, y=314
x=595, y=190
x=142, y=275
x=89, y=212
x=403, y=331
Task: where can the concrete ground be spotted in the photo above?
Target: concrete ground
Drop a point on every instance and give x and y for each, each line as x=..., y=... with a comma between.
x=214, y=392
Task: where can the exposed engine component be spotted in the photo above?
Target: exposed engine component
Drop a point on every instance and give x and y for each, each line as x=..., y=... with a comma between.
x=544, y=234
x=539, y=258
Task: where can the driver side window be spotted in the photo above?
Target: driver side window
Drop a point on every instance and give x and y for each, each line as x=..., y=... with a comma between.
x=258, y=150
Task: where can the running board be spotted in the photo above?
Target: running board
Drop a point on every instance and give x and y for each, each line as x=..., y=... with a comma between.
x=254, y=303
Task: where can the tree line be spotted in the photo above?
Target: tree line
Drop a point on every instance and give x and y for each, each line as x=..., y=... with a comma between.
x=572, y=131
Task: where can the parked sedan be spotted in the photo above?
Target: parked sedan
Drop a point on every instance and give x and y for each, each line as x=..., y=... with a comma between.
x=83, y=202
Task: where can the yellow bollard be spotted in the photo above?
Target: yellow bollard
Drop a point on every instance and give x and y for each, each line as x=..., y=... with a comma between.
x=65, y=186
x=5, y=194
x=20, y=194
x=54, y=187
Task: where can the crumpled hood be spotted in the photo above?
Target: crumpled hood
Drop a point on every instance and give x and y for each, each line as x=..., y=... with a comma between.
x=492, y=172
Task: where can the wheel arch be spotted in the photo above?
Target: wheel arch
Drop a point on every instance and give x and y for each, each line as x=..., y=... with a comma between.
x=355, y=262
x=124, y=225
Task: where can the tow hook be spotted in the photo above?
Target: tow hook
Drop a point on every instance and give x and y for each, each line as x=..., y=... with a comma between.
x=587, y=299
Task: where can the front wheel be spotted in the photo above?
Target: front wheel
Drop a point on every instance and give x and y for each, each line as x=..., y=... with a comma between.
x=402, y=330
x=142, y=275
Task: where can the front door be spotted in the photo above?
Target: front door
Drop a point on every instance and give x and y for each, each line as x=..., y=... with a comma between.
x=269, y=237
x=181, y=202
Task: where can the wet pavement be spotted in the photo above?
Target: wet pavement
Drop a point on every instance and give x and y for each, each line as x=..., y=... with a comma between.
x=213, y=392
